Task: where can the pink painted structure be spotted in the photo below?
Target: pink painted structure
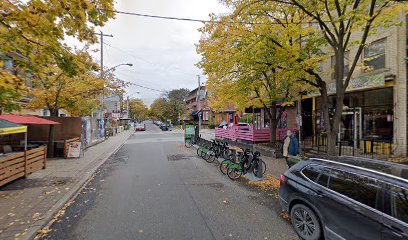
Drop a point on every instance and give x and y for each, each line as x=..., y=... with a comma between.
x=249, y=134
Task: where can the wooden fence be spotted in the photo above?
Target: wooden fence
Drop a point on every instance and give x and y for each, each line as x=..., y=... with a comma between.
x=17, y=165
x=66, y=144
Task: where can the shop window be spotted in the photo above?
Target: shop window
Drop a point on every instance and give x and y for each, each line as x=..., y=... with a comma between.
x=374, y=55
x=378, y=113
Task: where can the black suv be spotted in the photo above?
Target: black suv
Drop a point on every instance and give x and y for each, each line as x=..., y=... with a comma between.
x=346, y=198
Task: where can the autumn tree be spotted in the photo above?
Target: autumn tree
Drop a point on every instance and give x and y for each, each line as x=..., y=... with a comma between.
x=247, y=65
x=137, y=109
x=36, y=30
x=176, y=101
x=12, y=88
x=78, y=92
x=161, y=109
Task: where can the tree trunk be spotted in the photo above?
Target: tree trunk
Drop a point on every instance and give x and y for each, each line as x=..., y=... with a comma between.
x=50, y=147
x=332, y=124
x=272, y=117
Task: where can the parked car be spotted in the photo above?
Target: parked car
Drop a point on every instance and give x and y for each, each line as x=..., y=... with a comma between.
x=167, y=127
x=140, y=127
x=346, y=198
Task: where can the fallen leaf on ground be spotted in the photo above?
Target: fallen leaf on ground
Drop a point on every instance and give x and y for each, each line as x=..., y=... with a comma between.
x=270, y=183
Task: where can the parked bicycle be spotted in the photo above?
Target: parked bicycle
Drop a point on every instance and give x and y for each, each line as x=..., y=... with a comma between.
x=230, y=158
x=192, y=141
x=216, y=150
x=249, y=162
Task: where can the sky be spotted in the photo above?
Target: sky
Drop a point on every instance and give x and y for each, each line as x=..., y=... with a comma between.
x=162, y=52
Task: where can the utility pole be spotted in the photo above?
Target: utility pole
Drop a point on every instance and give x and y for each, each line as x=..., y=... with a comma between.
x=101, y=34
x=199, y=103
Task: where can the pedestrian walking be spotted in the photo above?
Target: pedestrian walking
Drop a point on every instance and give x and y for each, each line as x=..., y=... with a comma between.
x=290, y=146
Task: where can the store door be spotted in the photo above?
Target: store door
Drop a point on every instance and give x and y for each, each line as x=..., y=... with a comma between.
x=350, y=130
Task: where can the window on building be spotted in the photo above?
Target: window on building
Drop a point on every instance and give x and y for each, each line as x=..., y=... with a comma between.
x=346, y=65
x=357, y=187
x=46, y=112
x=374, y=55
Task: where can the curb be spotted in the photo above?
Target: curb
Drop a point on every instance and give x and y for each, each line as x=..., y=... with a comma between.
x=71, y=194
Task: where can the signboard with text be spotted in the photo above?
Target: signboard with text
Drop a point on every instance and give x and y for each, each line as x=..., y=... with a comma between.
x=74, y=150
x=359, y=83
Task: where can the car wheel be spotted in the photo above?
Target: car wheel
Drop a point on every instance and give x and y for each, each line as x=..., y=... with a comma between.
x=305, y=222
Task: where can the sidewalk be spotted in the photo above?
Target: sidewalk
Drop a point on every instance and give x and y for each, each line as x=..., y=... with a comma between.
x=26, y=205
x=274, y=166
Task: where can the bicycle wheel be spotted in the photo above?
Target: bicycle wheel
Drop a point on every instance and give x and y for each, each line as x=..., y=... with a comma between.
x=226, y=153
x=255, y=171
x=234, y=172
x=207, y=155
x=224, y=166
x=211, y=158
x=188, y=143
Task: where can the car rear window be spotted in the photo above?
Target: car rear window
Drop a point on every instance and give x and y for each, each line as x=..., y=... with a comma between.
x=311, y=172
x=357, y=187
x=324, y=177
x=399, y=203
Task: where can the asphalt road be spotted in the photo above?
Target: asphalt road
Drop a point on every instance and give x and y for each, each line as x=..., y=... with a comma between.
x=155, y=188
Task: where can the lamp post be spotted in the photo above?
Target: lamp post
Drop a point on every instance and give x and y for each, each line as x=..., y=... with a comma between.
x=122, y=64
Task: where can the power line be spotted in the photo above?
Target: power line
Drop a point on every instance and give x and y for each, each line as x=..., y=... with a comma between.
x=154, y=64
x=138, y=85
x=199, y=20
x=157, y=16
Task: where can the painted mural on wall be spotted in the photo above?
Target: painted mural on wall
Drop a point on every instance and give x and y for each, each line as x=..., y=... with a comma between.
x=101, y=128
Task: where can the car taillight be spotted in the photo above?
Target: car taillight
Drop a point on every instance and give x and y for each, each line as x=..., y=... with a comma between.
x=282, y=179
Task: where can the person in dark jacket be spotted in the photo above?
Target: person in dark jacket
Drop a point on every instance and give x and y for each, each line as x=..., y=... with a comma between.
x=290, y=146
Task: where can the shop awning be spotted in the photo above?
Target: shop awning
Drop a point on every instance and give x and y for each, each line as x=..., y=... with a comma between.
x=195, y=112
x=26, y=119
x=11, y=128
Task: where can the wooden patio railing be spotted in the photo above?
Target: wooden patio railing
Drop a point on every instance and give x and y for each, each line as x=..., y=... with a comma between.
x=249, y=134
x=17, y=165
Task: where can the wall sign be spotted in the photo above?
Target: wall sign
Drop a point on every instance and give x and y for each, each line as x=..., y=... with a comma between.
x=359, y=83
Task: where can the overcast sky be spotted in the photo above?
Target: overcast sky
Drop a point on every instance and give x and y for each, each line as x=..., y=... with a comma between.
x=162, y=51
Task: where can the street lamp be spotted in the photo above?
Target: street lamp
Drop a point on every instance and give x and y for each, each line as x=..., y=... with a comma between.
x=122, y=64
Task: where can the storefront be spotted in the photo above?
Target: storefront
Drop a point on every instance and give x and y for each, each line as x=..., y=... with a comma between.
x=366, y=114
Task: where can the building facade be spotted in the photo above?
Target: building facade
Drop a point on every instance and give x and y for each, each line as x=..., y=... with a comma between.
x=375, y=104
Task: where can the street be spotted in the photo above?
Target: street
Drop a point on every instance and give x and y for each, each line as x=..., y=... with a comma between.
x=155, y=188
